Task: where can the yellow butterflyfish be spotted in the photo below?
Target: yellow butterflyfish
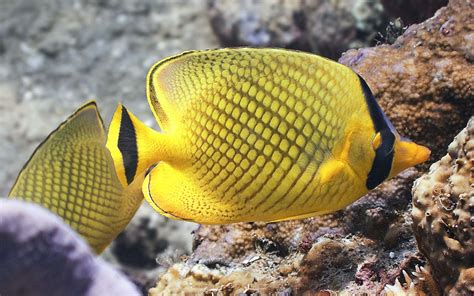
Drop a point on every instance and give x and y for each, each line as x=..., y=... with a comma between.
x=72, y=174
x=257, y=135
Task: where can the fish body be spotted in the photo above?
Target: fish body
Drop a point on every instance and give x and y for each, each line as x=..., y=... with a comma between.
x=257, y=135
x=72, y=174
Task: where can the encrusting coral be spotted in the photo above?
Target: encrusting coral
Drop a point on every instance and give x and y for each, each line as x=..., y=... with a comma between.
x=40, y=255
x=443, y=220
x=424, y=80
x=423, y=83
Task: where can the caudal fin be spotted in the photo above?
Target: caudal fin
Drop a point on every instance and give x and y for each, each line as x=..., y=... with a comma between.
x=133, y=145
x=71, y=173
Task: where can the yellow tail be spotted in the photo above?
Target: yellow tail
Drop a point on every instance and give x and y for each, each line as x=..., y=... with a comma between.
x=72, y=174
x=133, y=145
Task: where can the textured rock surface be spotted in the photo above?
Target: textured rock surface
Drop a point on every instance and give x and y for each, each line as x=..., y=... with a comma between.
x=443, y=214
x=424, y=80
x=326, y=27
x=42, y=256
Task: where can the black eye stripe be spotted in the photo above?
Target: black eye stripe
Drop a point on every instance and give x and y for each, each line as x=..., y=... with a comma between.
x=382, y=163
x=383, y=160
x=127, y=144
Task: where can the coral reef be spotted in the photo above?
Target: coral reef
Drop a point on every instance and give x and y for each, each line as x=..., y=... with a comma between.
x=443, y=221
x=422, y=284
x=424, y=80
x=331, y=252
x=325, y=27
x=413, y=11
x=40, y=255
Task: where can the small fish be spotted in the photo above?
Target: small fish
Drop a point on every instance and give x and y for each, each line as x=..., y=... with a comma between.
x=72, y=174
x=257, y=135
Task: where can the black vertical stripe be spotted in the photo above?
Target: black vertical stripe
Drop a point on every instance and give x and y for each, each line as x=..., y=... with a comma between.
x=382, y=163
x=127, y=144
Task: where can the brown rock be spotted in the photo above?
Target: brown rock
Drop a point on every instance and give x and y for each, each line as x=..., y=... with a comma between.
x=424, y=80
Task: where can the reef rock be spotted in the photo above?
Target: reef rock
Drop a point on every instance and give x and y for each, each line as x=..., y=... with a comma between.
x=424, y=80
x=334, y=252
x=40, y=255
x=443, y=215
x=326, y=27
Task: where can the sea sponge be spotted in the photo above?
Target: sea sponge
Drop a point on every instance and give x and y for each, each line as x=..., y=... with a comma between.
x=40, y=255
x=443, y=208
x=424, y=80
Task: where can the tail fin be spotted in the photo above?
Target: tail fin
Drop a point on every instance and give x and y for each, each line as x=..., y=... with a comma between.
x=133, y=145
x=71, y=173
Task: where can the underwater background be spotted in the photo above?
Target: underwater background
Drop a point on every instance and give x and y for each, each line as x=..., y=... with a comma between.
x=57, y=54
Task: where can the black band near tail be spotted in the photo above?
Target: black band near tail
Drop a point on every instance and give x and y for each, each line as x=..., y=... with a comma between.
x=127, y=144
x=382, y=164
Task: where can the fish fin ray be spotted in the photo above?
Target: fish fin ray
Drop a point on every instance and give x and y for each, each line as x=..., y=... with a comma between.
x=71, y=173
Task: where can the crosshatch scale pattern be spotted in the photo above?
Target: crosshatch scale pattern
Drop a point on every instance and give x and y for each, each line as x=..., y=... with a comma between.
x=72, y=175
x=258, y=126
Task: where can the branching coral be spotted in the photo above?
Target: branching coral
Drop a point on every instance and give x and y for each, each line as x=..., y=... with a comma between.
x=422, y=284
x=40, y=255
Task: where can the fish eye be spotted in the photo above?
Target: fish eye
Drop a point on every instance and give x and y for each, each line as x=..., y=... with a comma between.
x=376, y=141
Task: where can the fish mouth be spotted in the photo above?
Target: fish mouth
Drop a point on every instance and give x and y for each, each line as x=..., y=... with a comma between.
x=422, y=154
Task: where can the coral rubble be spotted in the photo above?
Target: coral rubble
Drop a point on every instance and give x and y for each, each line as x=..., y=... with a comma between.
x=40, y=255
x=424, y=80
x=443, y=220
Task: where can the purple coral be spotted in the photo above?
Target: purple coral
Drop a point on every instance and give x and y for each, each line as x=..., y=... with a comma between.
x=40, y=255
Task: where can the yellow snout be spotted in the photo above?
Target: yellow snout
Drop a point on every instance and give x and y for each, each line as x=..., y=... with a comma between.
x=408, y=154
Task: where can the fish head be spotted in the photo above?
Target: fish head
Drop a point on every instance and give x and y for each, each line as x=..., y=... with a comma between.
x=393, y=154
x=407, y=154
